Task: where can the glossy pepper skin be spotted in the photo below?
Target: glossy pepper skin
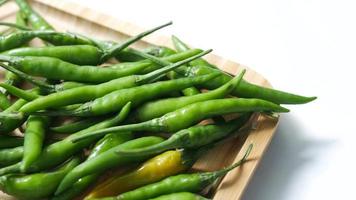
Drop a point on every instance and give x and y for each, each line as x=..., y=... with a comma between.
x=161, y=166
x=90, y=92
x=160, y=107
x=106, y=143
x=114, y=101
x=193, y=114
x=248, y=90
x=107, y=160
x=245, y=89
x=179, y=183
x=34, y=137
x=75, y=54
x=58, y=152
x=35, y=186
x=194, y=137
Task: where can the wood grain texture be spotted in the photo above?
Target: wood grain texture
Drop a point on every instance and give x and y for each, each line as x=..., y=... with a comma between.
x=72, y=17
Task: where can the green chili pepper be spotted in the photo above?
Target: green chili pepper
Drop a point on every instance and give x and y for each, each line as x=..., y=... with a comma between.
x=107, y=160
x=249, y=90
x=193, y=137
x=10, y=156
x=34, y=137
x=180, y=196
x=10, y=141
x=160, y=107
x=83, y=54
x=36, y=21
x=114, y=101
x=75, y=126
x=35, y=186
x=54, y=68
x=56, y=153
x=87, y=93
x=76, y=54
x=179, y=183
x=15, y=40
x=192, y=114
x=4, y=101
x=106, y=143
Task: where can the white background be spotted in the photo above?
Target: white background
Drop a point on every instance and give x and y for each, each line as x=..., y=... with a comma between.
x=304, y=46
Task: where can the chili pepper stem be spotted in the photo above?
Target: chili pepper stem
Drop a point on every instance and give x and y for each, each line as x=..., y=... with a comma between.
x=13, y=25
x=209, y=177
x=23, y=75
x=117, y=48
x=148, y=77
x=28, y=96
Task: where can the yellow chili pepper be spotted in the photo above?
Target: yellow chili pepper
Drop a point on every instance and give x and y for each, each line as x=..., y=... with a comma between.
x=166, y=164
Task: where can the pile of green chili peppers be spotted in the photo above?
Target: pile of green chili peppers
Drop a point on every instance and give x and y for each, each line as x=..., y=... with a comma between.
x=81, y=117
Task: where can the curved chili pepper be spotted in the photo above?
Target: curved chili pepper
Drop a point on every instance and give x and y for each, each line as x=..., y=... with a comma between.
x=107, y=160
x=35, y=186
x=192, y=114
x=193, y=137
x=56, y=153
x=73, y=96
x=160, y=107
x=179, y=183
x=155, y=169
x=34, y=137
x=76, y=54
x=114, y=101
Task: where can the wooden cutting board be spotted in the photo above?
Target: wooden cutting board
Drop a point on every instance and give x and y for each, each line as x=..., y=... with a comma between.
x=77, y=18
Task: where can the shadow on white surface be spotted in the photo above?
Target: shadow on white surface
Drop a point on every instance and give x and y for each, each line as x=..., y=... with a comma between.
x=289, y=153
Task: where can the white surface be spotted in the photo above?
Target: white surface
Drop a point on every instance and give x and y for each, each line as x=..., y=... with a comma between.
x=303, y=46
